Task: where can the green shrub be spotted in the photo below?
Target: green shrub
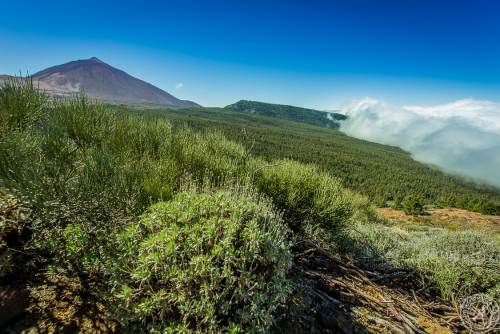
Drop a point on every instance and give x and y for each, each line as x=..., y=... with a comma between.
x=140, y=136
x=364, y=210
x=305, y=194
x=396, y=203
x=209, y=155
x=21, y=106
x=81, y=166
x=78, y=243
x=83, y=122
x=413, y=205
x=209, y=262
x=461, y=263
x=20, y=154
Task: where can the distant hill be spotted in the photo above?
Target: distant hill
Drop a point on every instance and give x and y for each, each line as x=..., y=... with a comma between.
x=103, y=82
x=297, y=114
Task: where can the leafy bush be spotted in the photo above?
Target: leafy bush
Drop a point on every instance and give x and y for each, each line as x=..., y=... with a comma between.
x=209, y=155
x=460, y=262
x=364, y=210
x=81, y=166
x=208, y=262
x=306, y=195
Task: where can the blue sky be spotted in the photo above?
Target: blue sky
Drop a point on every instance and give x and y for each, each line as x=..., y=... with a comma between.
x=318, y=54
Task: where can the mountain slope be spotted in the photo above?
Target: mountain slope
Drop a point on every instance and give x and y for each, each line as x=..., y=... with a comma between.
x=386, y=174
x=103, y=82
x=297, y=114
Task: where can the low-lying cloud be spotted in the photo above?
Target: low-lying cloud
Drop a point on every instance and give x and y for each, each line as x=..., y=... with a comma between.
x=462, y=136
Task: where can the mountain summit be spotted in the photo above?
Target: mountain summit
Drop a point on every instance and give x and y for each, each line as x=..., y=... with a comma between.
x=103, y=82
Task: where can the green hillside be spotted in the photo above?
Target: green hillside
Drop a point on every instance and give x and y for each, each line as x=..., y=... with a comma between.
x=386, y=174
x=304, y=115
x=115, y=219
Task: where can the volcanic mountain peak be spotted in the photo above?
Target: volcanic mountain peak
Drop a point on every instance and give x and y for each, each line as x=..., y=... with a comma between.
x=103, y=82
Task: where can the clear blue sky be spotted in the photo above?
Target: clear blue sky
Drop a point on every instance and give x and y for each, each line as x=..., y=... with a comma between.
x=308, y=53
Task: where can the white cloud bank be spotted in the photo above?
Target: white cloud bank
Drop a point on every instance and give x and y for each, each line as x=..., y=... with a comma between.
x=462, y=136
x=179, y=86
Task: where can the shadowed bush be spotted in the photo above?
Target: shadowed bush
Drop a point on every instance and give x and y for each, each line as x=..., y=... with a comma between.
x=413, y=205
x=209, y=262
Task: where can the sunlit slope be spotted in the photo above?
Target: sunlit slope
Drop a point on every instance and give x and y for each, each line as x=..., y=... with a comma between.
x=387, y=174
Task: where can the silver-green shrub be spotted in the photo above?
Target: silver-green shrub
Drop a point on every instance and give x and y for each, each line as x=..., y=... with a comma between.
x=202, y=262
x=458, y=263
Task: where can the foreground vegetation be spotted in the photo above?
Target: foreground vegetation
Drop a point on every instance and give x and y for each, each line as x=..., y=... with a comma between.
x=184, y=230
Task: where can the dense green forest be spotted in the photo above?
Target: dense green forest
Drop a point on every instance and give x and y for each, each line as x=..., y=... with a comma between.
x=297, y=114
x=386, y=174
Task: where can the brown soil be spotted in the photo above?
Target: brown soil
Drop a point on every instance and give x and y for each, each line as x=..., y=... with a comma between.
x=59, y=304
x=450, y=218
